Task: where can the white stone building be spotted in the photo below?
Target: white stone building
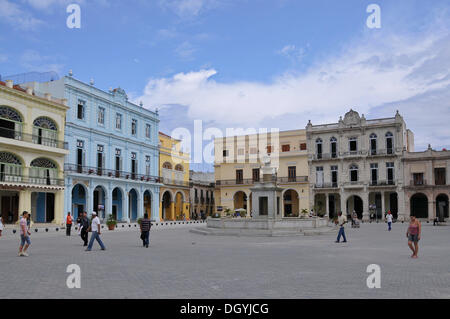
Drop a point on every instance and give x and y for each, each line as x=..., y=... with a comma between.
x=356, y=165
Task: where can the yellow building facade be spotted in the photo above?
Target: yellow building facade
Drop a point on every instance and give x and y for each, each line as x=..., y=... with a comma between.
x=32, y=151
x=174, y=175
x=238, y=163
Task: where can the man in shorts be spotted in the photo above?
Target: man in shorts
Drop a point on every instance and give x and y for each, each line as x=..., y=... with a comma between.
x=24, y=235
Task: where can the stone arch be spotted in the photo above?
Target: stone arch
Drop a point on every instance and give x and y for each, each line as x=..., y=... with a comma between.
x=355, y=203
x=45, y=123
x=442, y=206
x=167, y=165
x=291, y=202
x=166, y=202
x=240, y=200
x=133, y=202
x=11, y=114
x=11, y=158
x=79, y=199
x=419, y=205
x=44, y=163
x=179, y=168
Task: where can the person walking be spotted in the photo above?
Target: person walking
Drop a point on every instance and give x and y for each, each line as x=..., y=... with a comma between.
x=413, y=235
x=389, y=220
x=1, y=225
x=68, y=224
x=95, y=229
x=84, y=229
x=342, y=220
x=25, y=241
x=145, y=230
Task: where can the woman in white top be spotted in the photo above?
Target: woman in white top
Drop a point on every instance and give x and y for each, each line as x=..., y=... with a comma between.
x=1, y=225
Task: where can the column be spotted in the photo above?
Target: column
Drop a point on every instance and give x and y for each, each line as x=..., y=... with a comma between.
x=327, y=205
x=108, y=203
x=365, y=206
x=172, y=210
x=383, y=209
x=68, y=199
x=126, y=207
x=343, y=203
x=59, y=206
x=90, y=200
x=140, y=204
x=155, y=207
x=431, y=207
x=24, y=202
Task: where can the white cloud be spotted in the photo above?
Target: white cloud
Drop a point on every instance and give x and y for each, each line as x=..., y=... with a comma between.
x=369, y=76
x=292, y=52
x=185, y=51
x=188, y=8
x=15, y=16
x=33, y=61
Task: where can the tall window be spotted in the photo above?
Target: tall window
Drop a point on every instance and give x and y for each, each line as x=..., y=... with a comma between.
x=118, y=121
x=319, y=148
x=101, y=116
x=334, y=176
x=333, y=147
x=133, y=165
x=292, y=173
x=80, y=109
x=418, y=179
x=147, y=165
x=100, y=159
x=353, y=173
x=374, y=173
x=239, y=176
x=373, y=144
x=353, y=145
x=255, y=174
x=147, y=130
x=269, y=149
x=439, y=176
x=118, y=161
x=390, y=173
x=389, y=143
x=80, y=156
x=319, y=176
x=133, y=127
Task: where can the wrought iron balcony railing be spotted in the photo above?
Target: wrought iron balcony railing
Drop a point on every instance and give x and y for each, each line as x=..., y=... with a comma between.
x=87, y=170
x=250, y=181
x=326, y=185
x=30, y=138
x=383, y=183
x=22, y=179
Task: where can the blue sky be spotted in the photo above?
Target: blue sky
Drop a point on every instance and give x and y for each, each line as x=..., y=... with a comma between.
x=247, y=63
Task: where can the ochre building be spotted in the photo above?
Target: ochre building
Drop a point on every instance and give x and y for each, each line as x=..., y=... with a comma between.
x=174, y=175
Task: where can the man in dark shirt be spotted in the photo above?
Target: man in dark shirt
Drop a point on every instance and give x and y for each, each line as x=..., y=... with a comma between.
x=145, y=230
x=84, y=224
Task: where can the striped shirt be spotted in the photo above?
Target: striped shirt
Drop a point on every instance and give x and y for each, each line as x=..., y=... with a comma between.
x=145, y=224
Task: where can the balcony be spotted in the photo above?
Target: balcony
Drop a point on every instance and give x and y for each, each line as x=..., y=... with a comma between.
x=326, y=185
x=294, y=179
x=353, y=153
x=249, y=181
x=22, y=179
x=86, y=170
x=418, y=183
x=354, y=184
x=382, y=152
x=382, y=183
x=30, y=138
x=324, y=156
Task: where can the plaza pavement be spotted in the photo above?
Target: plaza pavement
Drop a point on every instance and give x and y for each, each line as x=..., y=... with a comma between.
x=180, y=264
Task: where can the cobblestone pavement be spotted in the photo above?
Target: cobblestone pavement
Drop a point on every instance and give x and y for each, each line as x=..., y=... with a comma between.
x=180, y=264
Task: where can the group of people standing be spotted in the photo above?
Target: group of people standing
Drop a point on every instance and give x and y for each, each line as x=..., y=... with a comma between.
x=84, y=227
x=413, y=233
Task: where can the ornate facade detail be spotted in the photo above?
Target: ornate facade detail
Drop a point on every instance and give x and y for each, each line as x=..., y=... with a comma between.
x=9, y=158
x=10, y=114
x=43, y=162
x=46, y=123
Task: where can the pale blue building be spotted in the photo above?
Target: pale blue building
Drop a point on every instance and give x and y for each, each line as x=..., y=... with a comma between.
x=113, y=163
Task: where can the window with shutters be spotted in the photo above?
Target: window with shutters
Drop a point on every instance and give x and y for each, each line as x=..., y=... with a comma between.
x=255, y=174
x=101, y=116
x=81, y=109
x=303, y=147
x=353, y=173
x=292, y=173
x=118, y=121
x=285, y=148
x=439, y=176
x=239, y=176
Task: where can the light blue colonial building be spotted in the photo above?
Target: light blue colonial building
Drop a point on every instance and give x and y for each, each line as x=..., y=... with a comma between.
x=113, y=163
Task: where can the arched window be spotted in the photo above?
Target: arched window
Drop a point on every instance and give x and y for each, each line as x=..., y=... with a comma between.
x=319, y=148
x=373, y=144
x=45, y=131
x=353, y=173
x=10, y=168
x=179, y=168
x=333, y=147
x=167, y=165
x=43, y=171
x=10, y=123
x=389, y=143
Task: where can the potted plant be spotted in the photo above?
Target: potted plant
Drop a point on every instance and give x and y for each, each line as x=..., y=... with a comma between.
x=304, y=212
x=111, y=222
